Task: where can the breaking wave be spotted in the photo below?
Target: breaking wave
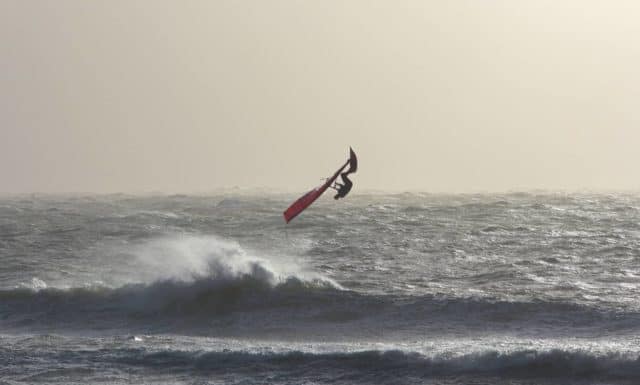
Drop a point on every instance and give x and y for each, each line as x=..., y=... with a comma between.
x=204, y=285
x=255, y=301
x=373, y=366
x=176, y=276
x=383, y=366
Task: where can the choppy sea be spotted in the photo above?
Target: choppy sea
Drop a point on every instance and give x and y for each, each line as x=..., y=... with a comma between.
x=520, y=288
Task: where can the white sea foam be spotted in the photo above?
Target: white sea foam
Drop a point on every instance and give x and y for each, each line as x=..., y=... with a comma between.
x=192, y=257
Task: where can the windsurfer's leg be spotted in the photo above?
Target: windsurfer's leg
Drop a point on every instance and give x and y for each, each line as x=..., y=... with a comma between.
x=346, y=187
x=345, y=177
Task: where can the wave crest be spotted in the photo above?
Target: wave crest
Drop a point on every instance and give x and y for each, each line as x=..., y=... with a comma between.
x=558, y=364
x=376, y=366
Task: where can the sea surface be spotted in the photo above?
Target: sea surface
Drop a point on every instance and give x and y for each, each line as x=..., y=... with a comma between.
x=519, y=288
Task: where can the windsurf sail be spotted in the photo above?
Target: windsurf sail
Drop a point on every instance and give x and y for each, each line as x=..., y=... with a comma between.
x=307, y=199
x=353, y=161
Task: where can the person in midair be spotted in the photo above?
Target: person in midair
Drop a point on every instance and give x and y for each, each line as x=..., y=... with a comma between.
x=345, y=187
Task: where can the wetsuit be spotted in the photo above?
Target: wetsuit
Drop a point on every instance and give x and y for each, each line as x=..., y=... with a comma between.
x=344, y=188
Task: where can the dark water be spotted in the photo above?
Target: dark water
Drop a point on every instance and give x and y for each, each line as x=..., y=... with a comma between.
x=410, y=288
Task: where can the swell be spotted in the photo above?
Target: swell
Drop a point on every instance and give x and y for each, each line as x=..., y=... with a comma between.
x=373, y=366
x=253, y=304
x=386, y=365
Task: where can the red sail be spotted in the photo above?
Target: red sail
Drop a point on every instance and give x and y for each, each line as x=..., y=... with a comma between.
x=307, y=199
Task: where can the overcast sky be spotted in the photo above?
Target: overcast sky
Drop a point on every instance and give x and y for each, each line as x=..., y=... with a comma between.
x=190, y=96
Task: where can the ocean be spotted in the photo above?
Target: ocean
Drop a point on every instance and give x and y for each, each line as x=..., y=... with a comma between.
x=412, y=288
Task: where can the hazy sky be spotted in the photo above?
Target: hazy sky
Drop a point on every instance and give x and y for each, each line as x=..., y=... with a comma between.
x=190, y=96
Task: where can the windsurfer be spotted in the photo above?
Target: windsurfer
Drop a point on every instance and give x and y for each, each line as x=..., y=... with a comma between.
x=343, y=188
